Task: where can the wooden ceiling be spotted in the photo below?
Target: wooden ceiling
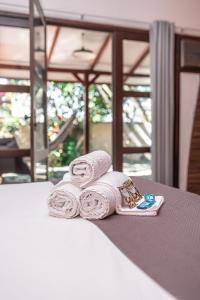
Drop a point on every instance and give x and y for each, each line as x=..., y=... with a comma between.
x=63, y=66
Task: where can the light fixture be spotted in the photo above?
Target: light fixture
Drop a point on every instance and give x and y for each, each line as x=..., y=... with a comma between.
x=84, y=53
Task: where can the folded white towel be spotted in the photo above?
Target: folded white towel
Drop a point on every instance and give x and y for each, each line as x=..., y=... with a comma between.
x=64, y=199
x=99, y=200
x=88, y=168
x=150, y=212
x=108, y=195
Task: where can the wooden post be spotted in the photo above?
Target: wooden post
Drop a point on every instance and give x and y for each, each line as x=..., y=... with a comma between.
x=176, y=111
x=86, y=114
x=117, y=79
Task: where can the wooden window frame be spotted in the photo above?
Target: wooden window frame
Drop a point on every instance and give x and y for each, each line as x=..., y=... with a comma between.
x=178, y=70
x=118, y=94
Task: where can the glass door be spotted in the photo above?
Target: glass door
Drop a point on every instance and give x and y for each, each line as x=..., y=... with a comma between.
x=38, y=68
x=131, y=103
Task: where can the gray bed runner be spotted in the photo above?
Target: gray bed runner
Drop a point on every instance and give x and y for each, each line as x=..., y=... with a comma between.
x=166, y=247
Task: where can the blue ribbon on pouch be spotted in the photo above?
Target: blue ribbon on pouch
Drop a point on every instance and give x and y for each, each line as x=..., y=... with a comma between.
x=149, y=200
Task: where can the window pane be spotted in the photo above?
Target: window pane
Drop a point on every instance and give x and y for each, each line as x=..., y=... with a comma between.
x=137, y=164
x=15, y=119
x=136, y=63
x=65, y=125
x=136, y=122
x=100, y=112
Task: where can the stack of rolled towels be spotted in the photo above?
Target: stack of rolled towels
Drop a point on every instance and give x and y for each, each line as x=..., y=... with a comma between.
x=91, y=191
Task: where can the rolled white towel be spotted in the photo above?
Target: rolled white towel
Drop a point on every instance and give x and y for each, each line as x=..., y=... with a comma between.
x=88, y=168
x=101, y=199
x=64, y=201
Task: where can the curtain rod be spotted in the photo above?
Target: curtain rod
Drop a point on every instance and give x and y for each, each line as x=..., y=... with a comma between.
x=90, y=17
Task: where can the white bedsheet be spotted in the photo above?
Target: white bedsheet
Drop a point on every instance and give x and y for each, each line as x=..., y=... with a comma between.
x=46, y=258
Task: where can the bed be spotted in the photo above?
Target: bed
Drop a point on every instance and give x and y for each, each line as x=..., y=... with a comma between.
x=42, y=257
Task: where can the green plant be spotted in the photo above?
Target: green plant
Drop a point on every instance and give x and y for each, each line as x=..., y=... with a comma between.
x=55, y=158
x=69, y=150
x=99, y=109
x=11, y=124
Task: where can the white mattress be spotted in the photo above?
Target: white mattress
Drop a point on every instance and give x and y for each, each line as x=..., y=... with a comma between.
x=45, y=258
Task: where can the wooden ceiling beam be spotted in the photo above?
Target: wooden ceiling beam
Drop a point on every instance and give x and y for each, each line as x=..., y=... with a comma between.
x=77, y=77
x=13, y=67
x=106, y=73
x=55, y=38
x=137, y=63
x=68, y=70
x=94, y=78
x=100, y=52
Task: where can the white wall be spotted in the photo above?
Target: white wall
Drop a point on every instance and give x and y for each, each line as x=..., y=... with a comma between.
x=184, y=13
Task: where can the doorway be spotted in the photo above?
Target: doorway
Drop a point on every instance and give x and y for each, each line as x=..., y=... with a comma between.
x=98, y=97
